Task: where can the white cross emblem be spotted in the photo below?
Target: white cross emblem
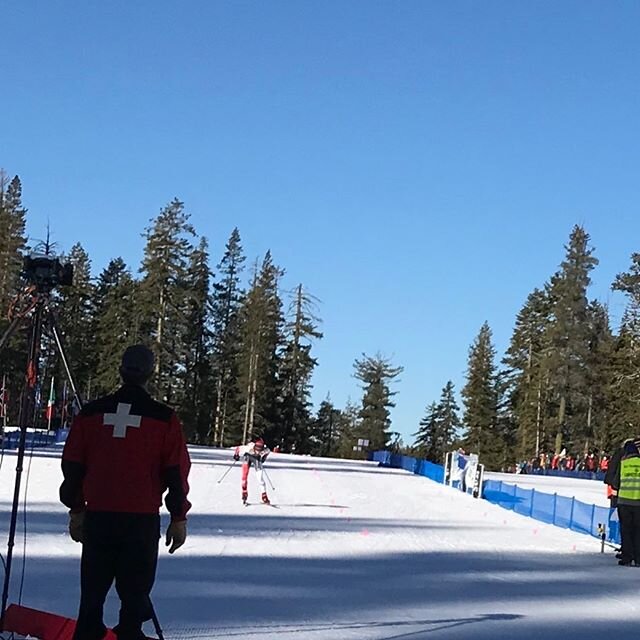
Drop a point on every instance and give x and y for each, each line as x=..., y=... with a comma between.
x=121, y=420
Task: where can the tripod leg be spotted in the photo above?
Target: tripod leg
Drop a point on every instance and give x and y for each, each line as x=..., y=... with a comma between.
x=10, y=331
x=65, y=361
x=28, y=397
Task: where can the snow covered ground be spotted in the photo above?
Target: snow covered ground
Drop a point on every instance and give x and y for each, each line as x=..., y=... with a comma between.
x=588, y=491
x=351, y=552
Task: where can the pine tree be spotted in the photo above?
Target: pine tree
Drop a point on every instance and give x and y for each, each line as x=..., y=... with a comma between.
x=76, y=322
x=261, y=344
x=448, y=410
x=12, y=240
x=296, y=369
x=624, y=376
x=115, y=322
x=439, y=427
x=226, y=304
x=196, y=409
x=12, y=247
x=568, y=336
x=347, y=431
x=163, y=298
x=622, y=393
x=376, y=375
x=526, y=377
x=325, y=432
x=480, y=400
x=427, y=438
x=598, y=428
x=506, y=424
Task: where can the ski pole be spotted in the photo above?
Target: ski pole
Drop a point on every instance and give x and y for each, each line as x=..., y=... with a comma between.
x=155, y=620
x=224, y=475
x=268, y=478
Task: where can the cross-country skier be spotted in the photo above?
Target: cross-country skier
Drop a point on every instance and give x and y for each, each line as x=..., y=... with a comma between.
x=254, y=454
x=122, y=453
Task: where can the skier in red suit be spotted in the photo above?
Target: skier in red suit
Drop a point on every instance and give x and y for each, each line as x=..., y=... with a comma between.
x=123, y=452
x=254, y=454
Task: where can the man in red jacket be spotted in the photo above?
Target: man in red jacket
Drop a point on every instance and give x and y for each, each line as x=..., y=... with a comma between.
x=122, y=453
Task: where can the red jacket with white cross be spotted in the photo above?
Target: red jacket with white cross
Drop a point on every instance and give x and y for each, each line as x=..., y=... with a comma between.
x=122, y=453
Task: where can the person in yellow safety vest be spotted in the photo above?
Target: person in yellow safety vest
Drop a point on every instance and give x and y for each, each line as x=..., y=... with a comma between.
x=628, y=487
x=612, y=480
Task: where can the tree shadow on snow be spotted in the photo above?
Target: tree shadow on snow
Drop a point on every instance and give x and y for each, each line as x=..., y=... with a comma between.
x=453, y=594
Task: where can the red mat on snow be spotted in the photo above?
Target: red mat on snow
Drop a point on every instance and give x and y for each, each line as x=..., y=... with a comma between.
x=40, y=624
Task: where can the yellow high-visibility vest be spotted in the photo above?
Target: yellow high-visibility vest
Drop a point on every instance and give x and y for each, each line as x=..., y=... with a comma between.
x=630, y=479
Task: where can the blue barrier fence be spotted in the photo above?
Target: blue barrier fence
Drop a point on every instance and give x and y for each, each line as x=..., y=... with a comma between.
x=583, y=475
x=34, y=439
x=560, y=511
x=420, y=467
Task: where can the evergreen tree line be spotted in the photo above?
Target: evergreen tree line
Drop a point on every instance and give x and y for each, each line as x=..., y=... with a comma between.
x=567, y=380
x=233, y=355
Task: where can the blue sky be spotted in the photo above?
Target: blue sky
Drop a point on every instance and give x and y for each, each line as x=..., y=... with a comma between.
x=417, y=165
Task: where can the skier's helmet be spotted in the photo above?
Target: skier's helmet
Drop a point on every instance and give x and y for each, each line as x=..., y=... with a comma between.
x=258, y=444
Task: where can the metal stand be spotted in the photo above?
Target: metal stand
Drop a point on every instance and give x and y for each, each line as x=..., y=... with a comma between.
x=39, y=314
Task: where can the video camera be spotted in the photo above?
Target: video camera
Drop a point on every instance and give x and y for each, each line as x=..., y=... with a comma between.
x=47, y=272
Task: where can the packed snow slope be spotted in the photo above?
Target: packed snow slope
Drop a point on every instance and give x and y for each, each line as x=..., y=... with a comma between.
x=352, y=551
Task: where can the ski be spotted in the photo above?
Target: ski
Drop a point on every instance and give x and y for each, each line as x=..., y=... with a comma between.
x=264, y=504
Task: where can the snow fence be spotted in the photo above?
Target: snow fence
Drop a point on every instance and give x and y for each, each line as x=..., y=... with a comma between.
x=35, y=439
x=560, y=511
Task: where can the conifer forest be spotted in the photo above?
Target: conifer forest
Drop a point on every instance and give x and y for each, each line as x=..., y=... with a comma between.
x=235, y=353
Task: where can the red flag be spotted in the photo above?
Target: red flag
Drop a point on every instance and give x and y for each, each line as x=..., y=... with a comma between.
x=32, y=374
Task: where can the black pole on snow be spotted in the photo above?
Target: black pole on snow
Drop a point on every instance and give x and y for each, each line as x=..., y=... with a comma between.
x=154, y=618
x=268, y=478
x=224, y=475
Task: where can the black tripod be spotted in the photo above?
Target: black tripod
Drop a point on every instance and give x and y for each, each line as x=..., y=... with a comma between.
x=31, y=306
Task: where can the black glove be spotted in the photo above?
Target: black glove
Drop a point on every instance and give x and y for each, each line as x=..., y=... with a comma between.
x=265, y=456
x=76, y=525
x=176, y=535
x=236, y=457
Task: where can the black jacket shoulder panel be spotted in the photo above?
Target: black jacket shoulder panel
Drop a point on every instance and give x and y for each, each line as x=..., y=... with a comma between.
x=101, y=405
x=141, y=402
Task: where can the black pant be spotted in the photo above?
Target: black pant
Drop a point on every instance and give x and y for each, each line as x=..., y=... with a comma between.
x=121, y=547
x=629, y=516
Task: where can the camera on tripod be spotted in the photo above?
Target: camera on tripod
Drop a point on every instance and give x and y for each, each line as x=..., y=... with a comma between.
x=47, y=272
x=42, y=272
